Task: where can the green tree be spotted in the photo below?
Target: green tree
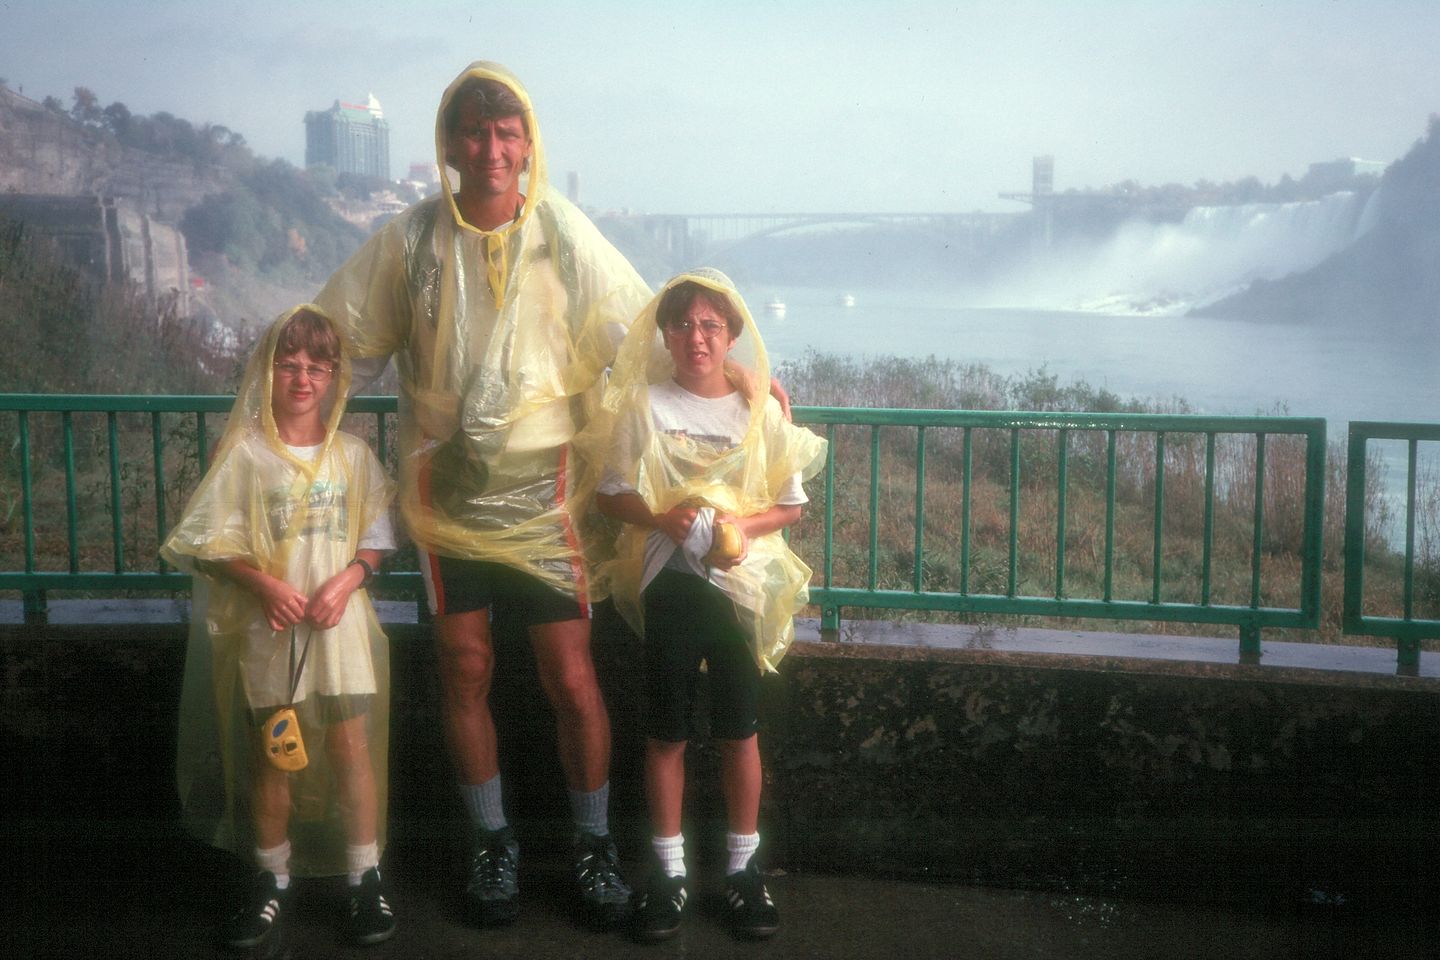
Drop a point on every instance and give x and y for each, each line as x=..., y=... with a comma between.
x=87, y=108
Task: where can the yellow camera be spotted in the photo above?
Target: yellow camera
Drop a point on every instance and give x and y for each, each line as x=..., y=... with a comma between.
x=281, y=741
x=725, y=542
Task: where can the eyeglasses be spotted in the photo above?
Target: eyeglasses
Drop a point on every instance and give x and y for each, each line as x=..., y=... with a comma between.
x=709, y=329
x=314, y=371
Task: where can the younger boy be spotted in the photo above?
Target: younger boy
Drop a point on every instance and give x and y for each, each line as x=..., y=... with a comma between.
x=691, y=454
x=285, y=529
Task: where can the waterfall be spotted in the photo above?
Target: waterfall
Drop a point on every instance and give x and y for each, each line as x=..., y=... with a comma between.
x=1166, y=268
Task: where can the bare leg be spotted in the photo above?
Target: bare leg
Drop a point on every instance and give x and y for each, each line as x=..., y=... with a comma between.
x=665, y=785
x=740, y=777
x=270, y=804
x=467, y=664
x=349, y=750
x=567, y=674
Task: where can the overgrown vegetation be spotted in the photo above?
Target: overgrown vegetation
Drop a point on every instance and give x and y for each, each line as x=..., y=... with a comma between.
x=274, y=222
x=66, y=333
x=162, y=134
x=1314, y=185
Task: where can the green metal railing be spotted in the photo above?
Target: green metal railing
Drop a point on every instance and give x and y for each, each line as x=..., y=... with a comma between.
x=199, y=411
x=1249, y=617
x=935, y=445
x=1407, y=629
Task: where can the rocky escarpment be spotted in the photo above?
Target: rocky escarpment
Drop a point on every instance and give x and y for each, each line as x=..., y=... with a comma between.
x=1389, y=277
x=45, y=152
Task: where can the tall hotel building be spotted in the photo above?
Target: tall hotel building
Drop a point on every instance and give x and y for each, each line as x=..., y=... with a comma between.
x=349, y=137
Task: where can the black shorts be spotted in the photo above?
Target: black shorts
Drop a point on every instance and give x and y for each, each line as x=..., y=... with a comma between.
x=688, y=620
x=463, y=586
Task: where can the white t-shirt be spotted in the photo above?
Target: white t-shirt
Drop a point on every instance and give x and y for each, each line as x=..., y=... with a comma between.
x=719, y=421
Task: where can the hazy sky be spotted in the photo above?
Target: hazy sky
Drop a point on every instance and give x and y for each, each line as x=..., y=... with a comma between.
x=734, y=105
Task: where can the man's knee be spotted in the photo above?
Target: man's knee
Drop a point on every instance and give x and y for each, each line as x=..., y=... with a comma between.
x=571, y=683
x=466, y=655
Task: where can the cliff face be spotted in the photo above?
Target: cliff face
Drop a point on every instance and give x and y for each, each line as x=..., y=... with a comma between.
x=1390, y=277
x=42, y=152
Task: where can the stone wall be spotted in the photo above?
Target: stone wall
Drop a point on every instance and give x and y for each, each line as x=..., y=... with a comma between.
x=111, y=240
x=1100, y=774
x=1134, y=775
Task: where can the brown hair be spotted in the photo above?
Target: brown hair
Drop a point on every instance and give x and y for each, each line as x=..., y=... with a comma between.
x=492, y=99
x=677, y=301
x=311, y=331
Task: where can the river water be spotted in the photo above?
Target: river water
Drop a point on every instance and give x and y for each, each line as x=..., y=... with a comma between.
x=1218, y=366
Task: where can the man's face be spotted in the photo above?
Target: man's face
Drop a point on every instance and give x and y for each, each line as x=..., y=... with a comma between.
x=488, y=153
x=699, y=343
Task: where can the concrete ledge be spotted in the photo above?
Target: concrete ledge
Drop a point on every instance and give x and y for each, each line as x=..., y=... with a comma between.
x=1083, y=649
x=1125, y=651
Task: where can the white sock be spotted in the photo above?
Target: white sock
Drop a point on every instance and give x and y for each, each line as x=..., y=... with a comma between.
x=359, y=858
x=277, y=860
x=742, y=847
x=671, y=853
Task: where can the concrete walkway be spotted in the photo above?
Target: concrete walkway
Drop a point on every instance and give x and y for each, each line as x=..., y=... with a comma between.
x=138, y=890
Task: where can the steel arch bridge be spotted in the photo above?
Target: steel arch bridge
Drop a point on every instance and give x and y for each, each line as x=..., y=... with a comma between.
x=690, y=237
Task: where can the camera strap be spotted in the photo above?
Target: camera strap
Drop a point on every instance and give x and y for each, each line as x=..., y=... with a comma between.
x=295, y=669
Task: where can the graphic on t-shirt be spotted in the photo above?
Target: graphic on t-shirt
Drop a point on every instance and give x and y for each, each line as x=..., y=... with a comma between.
x=326, y=516
x=719, y=443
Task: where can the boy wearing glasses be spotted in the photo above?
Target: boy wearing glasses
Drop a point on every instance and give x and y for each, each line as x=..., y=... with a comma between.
x=705, y=474
x=284, y=531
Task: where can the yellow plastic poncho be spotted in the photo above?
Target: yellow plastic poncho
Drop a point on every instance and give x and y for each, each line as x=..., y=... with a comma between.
x=300, y=521
x=772, y=584
x=500, y=340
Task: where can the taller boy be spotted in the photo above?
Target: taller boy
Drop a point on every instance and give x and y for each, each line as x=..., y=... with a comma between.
x=502, y=305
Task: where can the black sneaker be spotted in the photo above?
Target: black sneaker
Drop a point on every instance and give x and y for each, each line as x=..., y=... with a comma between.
x=492, y=892
x=751, y=912
x=658, y=909
x=257, y=924
x=604, y=894
x=372, y=920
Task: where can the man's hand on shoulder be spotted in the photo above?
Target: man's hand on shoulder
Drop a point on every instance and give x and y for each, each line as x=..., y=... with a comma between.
x=781, y=397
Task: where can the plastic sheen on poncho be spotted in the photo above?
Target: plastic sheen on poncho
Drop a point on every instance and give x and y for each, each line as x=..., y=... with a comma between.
x=299, y=521
x=500, y=341
x=772, y=584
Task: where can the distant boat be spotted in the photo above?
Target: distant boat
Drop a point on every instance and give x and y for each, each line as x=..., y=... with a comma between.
x=846, y=299
x=775, y=307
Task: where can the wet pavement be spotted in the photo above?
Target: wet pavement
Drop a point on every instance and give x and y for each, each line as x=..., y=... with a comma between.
x=141, y=890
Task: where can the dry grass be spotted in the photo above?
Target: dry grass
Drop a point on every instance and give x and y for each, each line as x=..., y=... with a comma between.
x=822, y=380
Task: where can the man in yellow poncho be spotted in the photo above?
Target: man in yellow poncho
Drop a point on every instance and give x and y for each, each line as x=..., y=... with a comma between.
x=706, y=476
x=502, y=306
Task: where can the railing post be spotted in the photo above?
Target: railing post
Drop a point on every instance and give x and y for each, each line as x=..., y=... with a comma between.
x=1250, y=642
x=829, y=621
x=1407, y=653
x=37, y=611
